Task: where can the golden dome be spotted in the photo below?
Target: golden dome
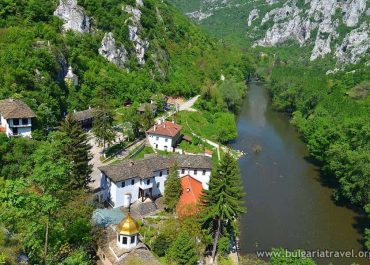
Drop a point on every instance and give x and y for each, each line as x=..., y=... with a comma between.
x=128, y=226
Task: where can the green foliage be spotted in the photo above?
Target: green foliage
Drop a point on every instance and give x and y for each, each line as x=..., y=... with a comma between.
x=77, y=257
x=172, y=189
x=283, y=257
x=161, y=245
x=223, y=201
x=77, y=152
x=103, y=126
x=182, y=250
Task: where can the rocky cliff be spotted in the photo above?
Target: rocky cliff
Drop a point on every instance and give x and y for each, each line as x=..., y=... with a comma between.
x=74, y=16
x=336, y=27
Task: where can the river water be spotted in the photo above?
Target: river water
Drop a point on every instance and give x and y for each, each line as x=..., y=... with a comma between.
x=288, y=205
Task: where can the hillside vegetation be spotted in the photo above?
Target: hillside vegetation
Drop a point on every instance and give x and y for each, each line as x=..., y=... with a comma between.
x=35, y=53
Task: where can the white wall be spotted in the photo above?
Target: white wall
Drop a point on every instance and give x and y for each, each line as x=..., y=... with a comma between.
x=23, y=130
x=204, y=178
x=165, y=143
x=116, y=192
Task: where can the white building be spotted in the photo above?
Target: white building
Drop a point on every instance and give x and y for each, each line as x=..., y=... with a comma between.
x=164, y=136
x=125, y=183
x=15, y=118
x=71, y=79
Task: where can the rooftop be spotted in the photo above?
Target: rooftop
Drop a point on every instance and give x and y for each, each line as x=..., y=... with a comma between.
x=144, y=168
x=191, y=193
x=84, y=114
x=165, y=128
x=15, y=109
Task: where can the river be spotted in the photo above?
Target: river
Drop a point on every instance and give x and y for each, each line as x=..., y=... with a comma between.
x=288, y=205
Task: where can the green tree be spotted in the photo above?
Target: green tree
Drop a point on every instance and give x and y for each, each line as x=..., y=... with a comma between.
x=161, y=244
x=147, y=118
x=223, y=201
x=182, y=251
x=172, y=188
x=77, y=152
x=103, y=126
x=77, y=257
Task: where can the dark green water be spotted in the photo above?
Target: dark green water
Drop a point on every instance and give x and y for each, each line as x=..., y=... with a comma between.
x=288, y=206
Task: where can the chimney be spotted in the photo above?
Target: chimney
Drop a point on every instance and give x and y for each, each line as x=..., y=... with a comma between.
x=155, y=127
x=74, y=111
x=173, y=121
x=89, y=107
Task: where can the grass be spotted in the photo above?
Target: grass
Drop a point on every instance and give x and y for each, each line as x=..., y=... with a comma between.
x=198, y=123
x=146, y=150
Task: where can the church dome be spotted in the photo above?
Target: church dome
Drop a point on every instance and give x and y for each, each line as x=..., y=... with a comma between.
x=128, y=226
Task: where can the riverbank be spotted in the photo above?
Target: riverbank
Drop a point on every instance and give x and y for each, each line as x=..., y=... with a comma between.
x=287, y=204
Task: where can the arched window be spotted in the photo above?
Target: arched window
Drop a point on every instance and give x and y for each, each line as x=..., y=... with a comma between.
x=132, y=239
x=124, y=240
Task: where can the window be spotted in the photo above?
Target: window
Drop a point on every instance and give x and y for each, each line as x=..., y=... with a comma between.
x=168, y=171
x=204, y=172
x=195, y=172
x=183, y=171
x=160, y=173
x=132, y=239
x=123, y=184
x=166, y=140
x=15, y=121
x=24, y=121
x=148, y=182
x=158, y=185
x=124, y=240
x=132, y=182
x=157, y=138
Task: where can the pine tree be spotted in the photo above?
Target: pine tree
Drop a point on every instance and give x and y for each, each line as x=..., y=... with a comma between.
x=147, y=118
x=182, y=251
x=103, y=126
x=223, y=201
x=172, y=188
x=77, y=152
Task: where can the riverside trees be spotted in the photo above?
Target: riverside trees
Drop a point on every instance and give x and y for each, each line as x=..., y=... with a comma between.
x=223, y=201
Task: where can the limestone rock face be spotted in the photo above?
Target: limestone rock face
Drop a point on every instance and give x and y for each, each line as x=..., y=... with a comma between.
x=140, y=44
x=355, y=44
x=110, y=51
x=253, y=15
x=290, y=22
x=74, y=16
x=353, y=9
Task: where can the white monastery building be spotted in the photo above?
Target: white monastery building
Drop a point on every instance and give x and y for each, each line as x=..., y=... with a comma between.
x=164, y=136
x=15, y=118
x=129, y=181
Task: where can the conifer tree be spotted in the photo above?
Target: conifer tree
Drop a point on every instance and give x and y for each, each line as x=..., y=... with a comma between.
x=172, y=188
x=103, y=126
x=182, y=251
x=223, y=201
x=77, y=152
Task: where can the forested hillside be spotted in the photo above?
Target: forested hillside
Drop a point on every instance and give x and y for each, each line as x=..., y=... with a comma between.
x=121, y=51
x=159, y=50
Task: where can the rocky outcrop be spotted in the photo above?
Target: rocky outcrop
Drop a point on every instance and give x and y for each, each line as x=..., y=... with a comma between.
x=140, y=44
x=109, y=50
x=74, y=16
x=253, y=15
x=353, y=9
x=290, y=22
x=355, y=44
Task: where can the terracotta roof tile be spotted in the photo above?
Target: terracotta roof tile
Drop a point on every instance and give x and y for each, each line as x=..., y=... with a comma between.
x=191, y=193
x=166, y=128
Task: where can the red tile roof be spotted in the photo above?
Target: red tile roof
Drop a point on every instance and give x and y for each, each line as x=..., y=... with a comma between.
x=191, y=192
x=166, y=128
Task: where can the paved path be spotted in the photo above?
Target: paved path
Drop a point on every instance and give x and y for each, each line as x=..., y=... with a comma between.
x=188, y=105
